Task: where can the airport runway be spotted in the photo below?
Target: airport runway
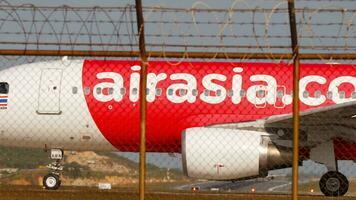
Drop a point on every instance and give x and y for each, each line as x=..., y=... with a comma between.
x=87, y=193
x=259, y=185
x=255, y=185
x=279, y=185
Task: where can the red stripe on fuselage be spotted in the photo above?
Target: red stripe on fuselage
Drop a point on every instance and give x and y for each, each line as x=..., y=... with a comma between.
x=118, y=120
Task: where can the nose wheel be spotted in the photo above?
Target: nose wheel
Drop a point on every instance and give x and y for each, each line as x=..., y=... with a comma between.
x=334, y=183
x=52, y=180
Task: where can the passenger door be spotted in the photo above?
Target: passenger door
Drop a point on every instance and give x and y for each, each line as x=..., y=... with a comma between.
x=50, y=89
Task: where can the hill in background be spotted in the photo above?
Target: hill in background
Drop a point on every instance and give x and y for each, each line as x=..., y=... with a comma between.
x=23, y=166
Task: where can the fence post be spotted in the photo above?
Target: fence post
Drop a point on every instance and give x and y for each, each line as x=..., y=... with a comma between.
x=295, y=49
x=143, y=83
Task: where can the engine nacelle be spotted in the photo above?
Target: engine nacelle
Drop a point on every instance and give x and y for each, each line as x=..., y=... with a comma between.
x=230, y=154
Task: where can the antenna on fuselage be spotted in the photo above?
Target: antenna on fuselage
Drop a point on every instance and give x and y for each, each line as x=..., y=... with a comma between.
x=332, y=62
x=65, y=58
x=65, y=61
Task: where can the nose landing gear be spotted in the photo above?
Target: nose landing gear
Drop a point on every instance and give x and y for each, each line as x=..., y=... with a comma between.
x=52, y=180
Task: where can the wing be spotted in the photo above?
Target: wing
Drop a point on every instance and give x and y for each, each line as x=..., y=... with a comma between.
x=321, y=124
x=317, y=126
x=318, y=129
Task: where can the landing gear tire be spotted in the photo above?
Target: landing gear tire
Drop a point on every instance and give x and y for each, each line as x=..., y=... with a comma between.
x=51, y=181
x=334, y=184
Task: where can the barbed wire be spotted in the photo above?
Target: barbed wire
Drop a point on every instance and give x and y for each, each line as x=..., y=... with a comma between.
x=200, y=28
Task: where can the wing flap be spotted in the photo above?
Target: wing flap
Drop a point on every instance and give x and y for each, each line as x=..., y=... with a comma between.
x=338, y=111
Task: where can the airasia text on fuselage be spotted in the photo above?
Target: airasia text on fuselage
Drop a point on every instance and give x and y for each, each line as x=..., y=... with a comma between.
x=184, y=87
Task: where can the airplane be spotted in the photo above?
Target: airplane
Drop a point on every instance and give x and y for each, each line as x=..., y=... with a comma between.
x=229, y=120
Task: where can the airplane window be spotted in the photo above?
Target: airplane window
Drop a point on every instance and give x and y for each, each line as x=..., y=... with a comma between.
x=74, y=90
x=341, y=94
x=182, y=92
x=195, y=92
x=242, y=93
x=134, y=91
x=86, y=90
x=4, y=88
x=230, y=93
x=218, y=93
x=122, y=91
x=98, y=90
x=260, y=93
x=280, y=93
x=329, y=95
x=305, y=94
x=111, y=90
x=158, y=91
x=170, y=92
x=353, y=95
x=317, y=94
x=206, y=92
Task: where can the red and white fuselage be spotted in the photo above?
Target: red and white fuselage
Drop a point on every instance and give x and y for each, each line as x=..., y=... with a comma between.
x=94, y=104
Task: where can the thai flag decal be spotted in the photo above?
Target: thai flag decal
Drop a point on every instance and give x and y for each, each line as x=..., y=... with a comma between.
x=3, y=102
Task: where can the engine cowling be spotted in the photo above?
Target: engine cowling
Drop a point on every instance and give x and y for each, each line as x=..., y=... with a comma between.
x=230, y=154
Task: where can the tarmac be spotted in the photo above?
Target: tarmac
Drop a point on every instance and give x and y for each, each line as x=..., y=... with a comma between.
x=88, y=193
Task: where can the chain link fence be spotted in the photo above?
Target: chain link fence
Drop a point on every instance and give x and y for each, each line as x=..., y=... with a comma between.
x=219, y=99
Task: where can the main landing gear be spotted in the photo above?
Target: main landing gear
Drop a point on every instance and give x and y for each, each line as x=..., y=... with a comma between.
x=333, y=183
x=52, y=180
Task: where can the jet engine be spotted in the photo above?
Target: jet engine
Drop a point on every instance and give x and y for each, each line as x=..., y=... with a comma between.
x=230, y=154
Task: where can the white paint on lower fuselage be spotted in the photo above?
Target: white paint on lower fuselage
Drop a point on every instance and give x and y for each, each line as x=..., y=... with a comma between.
x=21, y=125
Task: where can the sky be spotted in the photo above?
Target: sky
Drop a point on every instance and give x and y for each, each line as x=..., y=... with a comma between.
x=270, y=29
